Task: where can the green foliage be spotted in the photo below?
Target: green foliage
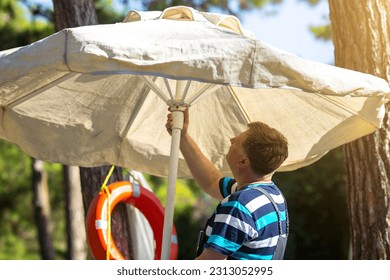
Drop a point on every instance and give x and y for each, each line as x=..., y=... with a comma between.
x=15, y=194
x=317, y=204
x=187, y=232
x=19, y=27
x=18, y=234
x=106, y=12
x=57, y=202
x=322, y=32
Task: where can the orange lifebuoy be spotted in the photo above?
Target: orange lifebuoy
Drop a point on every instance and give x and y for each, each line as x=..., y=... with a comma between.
x=136, y=195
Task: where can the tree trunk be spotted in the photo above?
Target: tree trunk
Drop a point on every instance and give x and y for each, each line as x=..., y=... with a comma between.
x=361, y=36
x=75, y=217
x=41, y=202
x=74, y=13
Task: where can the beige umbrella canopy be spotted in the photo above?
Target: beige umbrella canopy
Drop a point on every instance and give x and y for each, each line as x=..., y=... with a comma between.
x=98, y=95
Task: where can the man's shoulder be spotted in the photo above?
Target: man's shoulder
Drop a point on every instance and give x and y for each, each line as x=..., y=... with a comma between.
x=244, y=196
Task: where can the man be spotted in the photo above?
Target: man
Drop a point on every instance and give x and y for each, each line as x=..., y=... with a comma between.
x=246, y=224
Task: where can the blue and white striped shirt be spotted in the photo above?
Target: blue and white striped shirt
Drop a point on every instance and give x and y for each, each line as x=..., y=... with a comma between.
x=244, y=225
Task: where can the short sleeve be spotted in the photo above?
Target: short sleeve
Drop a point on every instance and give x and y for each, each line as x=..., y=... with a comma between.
x=227, y=186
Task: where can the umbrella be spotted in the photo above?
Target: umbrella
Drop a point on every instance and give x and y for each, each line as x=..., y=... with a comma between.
x=98, y=95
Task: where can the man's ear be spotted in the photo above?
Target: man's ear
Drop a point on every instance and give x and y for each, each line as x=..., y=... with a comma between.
x=243, y=163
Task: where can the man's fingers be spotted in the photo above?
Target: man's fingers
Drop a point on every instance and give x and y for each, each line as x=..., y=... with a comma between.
x=169, y=124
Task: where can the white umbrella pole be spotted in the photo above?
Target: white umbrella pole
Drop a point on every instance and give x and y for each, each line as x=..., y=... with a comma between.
x=177, y=114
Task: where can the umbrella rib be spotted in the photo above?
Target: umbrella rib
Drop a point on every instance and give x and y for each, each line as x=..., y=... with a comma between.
x=352, y=112
x=168, y=88
x=39, y=90
x=239, y=105
x=185, y=91
x=201, y=90
x=134, y=113
x=153, y=87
